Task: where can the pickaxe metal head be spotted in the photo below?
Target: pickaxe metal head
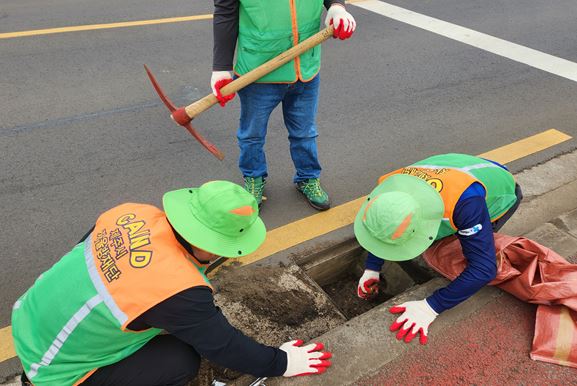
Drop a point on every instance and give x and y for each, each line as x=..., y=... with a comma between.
x=180, y=116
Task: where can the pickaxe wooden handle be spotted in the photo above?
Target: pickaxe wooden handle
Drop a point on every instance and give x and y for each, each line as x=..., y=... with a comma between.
x=183, y=115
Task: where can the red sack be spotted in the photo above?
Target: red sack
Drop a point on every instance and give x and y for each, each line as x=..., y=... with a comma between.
x=535, y=274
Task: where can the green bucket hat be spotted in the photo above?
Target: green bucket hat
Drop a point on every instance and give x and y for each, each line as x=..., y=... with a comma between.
x=400, y=219
x=220, y=217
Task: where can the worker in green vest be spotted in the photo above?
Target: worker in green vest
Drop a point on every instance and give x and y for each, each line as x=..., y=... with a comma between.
x=96, y=316
x=412, y=207
x=261, y=30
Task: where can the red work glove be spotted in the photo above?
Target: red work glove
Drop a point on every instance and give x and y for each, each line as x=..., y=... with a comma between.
x=218, y=80
x=305, y=360
x=368, y=286
x=343, y=21
x=415, y=320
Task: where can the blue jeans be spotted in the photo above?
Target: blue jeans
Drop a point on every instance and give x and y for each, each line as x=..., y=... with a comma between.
x=299, y=106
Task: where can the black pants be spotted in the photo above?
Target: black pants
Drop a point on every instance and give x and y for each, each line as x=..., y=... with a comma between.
x=498, y=224
x=164, y=360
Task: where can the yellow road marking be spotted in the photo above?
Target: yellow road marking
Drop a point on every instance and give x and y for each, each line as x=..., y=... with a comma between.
x=295, y=233
x=527, y=146
x=91, y=27
x=6, y=347
x=308, y=228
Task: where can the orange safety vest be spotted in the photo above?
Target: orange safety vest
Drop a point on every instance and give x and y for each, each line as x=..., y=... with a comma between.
x=139, y=261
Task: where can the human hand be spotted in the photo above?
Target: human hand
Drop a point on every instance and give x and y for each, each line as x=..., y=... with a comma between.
x=305, y=360
x=415, y=320
x=343, y=22
x=218, y=80
x=368, y=286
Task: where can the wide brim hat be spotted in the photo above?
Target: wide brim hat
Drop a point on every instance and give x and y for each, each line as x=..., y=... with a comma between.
x=417, y=215
x=219, y=217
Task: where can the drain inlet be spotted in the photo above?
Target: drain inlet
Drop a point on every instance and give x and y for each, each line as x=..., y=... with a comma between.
x=338, y=269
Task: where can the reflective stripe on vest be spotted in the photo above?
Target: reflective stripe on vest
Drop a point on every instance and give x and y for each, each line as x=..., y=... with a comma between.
x=61, y=338
x=99, y=285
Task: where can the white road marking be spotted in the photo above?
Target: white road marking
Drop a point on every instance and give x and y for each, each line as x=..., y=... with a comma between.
x=513, y=51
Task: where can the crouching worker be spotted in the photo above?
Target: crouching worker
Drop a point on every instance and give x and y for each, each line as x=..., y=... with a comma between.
x=96, y=316
x=427, y=201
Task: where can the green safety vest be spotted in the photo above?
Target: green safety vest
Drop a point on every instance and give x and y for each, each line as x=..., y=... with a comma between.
x=268, y=28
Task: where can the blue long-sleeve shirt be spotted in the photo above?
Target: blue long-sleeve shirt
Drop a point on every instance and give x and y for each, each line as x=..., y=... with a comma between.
x=478, y=248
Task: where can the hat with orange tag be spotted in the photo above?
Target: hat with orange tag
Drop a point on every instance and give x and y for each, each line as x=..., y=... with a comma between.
x=400, y=219
x=219, y=217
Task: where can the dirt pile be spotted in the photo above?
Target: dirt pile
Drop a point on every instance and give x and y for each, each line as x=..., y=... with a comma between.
x=275, y=304
x=272, y=304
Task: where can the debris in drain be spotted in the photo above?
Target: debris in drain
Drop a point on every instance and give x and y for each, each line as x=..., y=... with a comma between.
x=343, y=292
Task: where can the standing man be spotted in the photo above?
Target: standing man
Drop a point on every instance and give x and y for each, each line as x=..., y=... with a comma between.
x=96, y=316
x=261, y=30
x=427, y=201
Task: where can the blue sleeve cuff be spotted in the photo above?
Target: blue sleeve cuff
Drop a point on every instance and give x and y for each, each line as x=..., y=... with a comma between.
x=435, y=304
x=374, y=263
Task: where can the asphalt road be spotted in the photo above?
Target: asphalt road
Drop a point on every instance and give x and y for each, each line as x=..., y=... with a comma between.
x=81, y=129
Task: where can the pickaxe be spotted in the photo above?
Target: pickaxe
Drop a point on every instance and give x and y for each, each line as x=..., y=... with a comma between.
x=183, y=115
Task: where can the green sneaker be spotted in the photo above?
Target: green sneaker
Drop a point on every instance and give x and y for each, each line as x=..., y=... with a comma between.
x=255, y=186
x=316, y=196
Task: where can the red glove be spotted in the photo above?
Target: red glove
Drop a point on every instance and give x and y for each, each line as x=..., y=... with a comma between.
x=218, y=80
x=305, y=360
x=415, y=319
x=368, y=286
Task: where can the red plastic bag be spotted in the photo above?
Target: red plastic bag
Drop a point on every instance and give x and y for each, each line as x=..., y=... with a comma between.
x=535, y=274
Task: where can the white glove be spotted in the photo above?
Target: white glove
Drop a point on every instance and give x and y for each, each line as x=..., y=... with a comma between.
x=415, y=319
x=216, y=76
x=343, y=22
x=220, y=79
x=368, y=286
x=305, y=360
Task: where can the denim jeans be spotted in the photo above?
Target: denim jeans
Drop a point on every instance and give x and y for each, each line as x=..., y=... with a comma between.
x=299, y=106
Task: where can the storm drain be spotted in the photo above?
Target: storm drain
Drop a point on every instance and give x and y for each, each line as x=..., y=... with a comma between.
x=338, y=270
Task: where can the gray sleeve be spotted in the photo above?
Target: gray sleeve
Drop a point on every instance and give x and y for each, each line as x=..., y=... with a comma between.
x=225, y=32
x=328, y=3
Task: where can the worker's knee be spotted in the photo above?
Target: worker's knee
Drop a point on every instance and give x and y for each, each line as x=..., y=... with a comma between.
x=184, y=362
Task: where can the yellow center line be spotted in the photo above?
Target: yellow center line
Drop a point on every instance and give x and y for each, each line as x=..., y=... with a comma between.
x=91, y=27
x=308, y=228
